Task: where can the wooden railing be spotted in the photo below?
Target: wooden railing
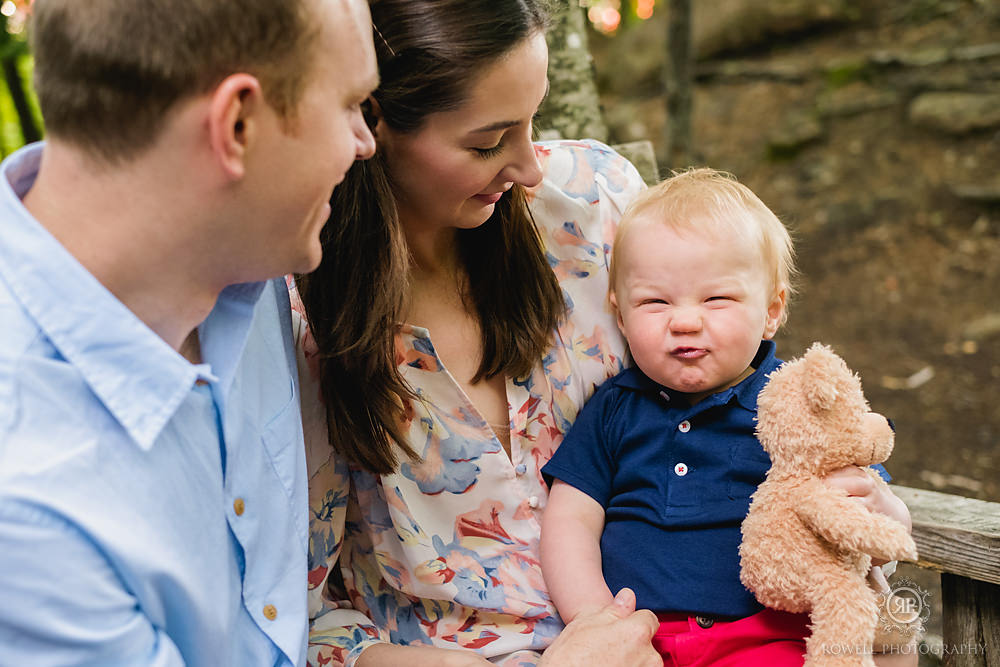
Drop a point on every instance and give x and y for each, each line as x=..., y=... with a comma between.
x=960, y=538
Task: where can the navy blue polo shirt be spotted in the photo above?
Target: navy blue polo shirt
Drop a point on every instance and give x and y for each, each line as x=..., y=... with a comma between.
x=675, y=481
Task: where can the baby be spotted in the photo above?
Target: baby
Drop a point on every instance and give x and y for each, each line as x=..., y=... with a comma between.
x=655, y=477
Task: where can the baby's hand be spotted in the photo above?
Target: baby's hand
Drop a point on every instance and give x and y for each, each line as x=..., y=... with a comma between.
x=865, y=487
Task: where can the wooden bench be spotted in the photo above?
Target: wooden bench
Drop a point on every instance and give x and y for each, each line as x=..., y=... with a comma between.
x=960, y=538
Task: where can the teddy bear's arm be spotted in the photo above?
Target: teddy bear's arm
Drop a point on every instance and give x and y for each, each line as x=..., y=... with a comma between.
x=847, y=525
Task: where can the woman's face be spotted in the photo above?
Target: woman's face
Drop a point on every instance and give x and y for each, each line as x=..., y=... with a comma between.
x=451, y=172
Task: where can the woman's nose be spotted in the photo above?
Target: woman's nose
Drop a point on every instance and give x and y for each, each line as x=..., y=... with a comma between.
x=523, y=168
x=364, y=140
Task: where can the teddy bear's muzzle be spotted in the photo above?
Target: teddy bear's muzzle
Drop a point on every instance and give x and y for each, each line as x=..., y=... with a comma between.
x=880, y=435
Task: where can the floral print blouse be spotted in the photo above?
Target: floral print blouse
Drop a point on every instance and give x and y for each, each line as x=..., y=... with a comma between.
x=444, y=552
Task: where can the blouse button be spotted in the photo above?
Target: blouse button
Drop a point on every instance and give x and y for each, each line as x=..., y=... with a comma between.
x=533, y=502
x=684, y=426
x=239, y=506
x=681, y=469
x=270, y=613
x=520, y=469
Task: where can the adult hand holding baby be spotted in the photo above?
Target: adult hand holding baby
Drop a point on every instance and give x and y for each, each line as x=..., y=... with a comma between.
x=614, y=635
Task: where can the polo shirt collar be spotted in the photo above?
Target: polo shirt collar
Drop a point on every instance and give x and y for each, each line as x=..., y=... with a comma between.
x=134, y=373
x=745, y=392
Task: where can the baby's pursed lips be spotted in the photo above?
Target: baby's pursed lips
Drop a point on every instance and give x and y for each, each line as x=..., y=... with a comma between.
x=688, y=352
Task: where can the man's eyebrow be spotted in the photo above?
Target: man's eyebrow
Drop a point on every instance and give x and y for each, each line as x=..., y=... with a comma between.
x=504, y=124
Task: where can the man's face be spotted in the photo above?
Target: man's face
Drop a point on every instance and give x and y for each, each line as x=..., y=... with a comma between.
x=304, y=159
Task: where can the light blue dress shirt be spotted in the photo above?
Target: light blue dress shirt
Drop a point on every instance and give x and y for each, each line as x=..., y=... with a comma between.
x=146, y=518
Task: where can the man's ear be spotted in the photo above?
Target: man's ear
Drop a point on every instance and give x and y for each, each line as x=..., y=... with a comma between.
x=775, y=312
x=234, y=113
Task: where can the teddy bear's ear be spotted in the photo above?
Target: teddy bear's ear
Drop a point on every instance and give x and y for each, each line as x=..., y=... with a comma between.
x=821, y=368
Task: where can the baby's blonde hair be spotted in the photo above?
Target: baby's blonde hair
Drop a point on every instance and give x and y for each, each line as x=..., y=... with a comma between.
x=711, y=202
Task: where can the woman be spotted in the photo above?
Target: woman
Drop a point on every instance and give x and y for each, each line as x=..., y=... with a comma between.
x=456, y=335
x=447, y=420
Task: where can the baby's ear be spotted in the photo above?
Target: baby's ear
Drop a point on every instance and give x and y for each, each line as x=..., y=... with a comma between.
x=821, y=368
x=775, y=311
x=613, y=303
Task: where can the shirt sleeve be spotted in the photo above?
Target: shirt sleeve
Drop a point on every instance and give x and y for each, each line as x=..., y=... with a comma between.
x=64, y=602
x=583, y=460
x=337, y=632
x=577, y=207
x=882, y=472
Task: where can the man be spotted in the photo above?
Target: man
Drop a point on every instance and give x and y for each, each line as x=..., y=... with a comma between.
x=152, y=482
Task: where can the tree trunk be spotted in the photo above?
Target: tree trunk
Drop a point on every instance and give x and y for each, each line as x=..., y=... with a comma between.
x=677, y=82
x=572, y=109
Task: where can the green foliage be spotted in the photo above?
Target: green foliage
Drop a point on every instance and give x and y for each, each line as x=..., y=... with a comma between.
x=11, y=133
x=17, y=69
x=841, y=73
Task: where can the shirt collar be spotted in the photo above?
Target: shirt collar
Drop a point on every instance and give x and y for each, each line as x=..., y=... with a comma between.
x=135, y=374
x=745, y=392
x=224, y=333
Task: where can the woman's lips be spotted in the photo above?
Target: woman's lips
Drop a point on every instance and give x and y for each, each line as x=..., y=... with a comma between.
x=489, y=199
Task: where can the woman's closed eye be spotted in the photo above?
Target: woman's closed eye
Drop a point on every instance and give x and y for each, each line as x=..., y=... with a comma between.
x=492, y=151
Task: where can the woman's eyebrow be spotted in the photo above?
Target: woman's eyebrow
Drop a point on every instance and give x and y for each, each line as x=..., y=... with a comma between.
x=494, y=127
x=504, y=124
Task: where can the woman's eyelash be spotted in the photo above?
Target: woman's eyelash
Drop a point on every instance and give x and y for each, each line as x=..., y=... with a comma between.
x=489, y=152
x=493, y=151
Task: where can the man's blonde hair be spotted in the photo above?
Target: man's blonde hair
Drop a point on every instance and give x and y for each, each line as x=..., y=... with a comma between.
x=711, y=202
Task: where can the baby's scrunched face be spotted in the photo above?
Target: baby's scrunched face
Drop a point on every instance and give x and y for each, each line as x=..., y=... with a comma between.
x=693, y=307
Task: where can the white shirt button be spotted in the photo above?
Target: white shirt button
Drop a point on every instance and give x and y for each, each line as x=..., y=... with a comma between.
x=681, y=469
x=684, y=426
x=520, y=468
x=533, y=502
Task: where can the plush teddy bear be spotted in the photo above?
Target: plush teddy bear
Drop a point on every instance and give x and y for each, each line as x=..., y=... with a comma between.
x=807, y=547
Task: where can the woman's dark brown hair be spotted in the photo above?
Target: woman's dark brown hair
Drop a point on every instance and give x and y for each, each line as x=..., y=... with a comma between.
x=429, y=51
